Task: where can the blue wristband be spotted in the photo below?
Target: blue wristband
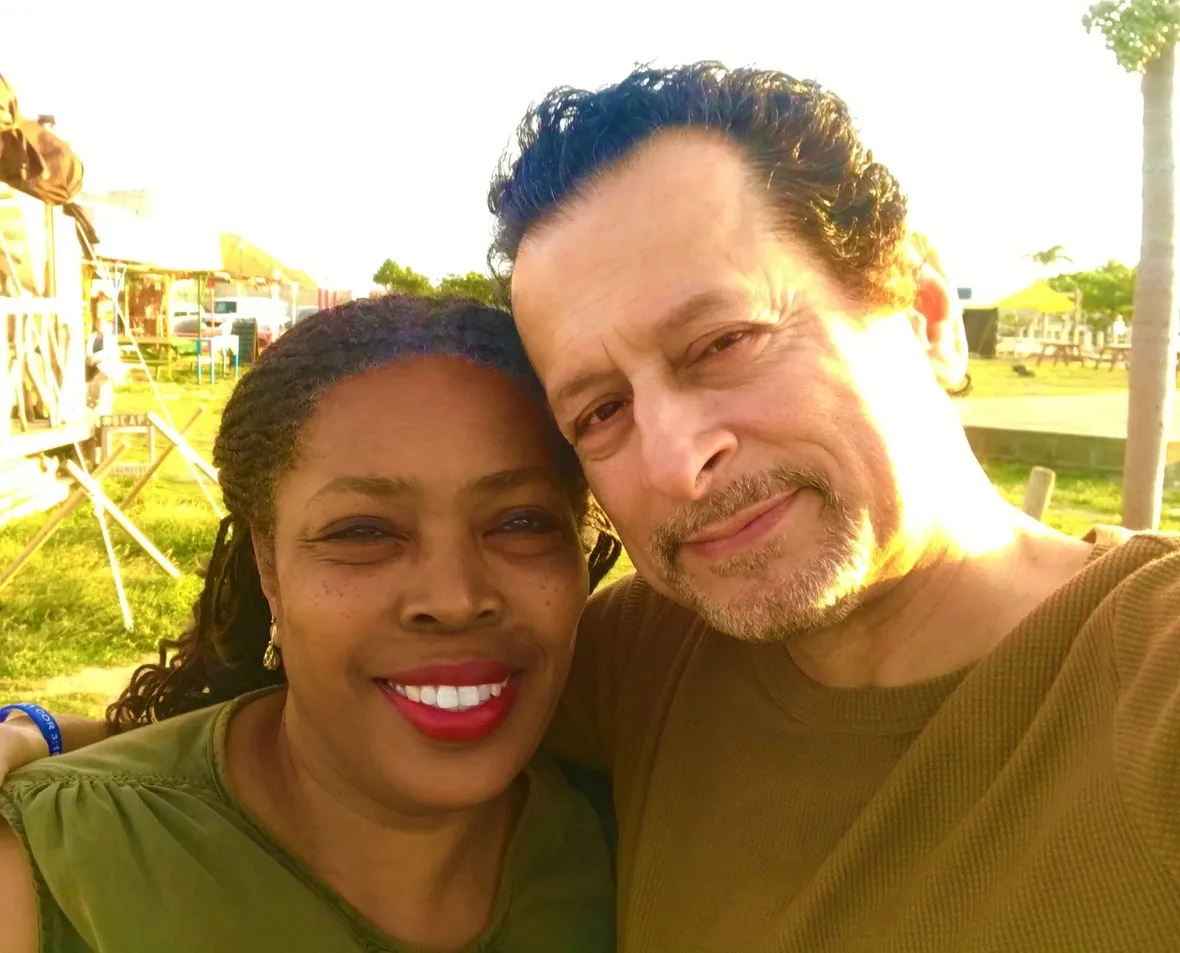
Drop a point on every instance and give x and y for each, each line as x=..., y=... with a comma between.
x=44, y=721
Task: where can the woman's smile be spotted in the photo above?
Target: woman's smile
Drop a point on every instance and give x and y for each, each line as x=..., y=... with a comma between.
x=461, y=702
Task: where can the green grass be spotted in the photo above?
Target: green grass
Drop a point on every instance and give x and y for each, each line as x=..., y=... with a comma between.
x=995, y=378
x=1080, y=498
x=62, y=641
x=60, y=613
x=620, y=569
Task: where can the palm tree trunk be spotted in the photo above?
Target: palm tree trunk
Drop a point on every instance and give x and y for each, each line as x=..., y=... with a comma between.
x=1153, y=341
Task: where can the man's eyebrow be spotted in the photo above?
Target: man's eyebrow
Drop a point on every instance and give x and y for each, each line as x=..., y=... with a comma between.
x=579, y=385
x=692, y=309
x=370, y=486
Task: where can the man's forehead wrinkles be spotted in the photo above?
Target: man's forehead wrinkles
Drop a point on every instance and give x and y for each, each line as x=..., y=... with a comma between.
x=630, y=333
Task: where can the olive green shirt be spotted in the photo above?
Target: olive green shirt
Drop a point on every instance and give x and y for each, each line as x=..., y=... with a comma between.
x=137, y=844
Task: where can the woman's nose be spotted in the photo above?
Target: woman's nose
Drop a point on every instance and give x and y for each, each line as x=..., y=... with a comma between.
x=452, y=590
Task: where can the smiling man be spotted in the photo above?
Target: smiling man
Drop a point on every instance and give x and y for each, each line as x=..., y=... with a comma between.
x=854, y=700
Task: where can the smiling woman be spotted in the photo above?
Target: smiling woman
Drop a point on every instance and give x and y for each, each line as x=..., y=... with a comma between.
x=345, y=753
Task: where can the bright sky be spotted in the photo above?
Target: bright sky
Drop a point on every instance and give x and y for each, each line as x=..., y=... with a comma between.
x=368, y=130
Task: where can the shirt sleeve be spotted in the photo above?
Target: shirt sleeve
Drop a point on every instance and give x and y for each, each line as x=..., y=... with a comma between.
x=1146, y=628
x=628, y=641
x=581, y=726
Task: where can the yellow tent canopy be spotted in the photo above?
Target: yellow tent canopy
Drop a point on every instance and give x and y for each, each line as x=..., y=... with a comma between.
x=1037, y=297
x=242, y=257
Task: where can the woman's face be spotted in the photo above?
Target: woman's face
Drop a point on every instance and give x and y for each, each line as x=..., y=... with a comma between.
x=426, y=578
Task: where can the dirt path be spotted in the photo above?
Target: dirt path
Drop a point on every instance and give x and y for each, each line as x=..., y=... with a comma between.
x=108, y=682
x=86, y=692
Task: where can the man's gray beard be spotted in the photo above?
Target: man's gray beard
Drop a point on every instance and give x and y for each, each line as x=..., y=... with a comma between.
x=821, y=592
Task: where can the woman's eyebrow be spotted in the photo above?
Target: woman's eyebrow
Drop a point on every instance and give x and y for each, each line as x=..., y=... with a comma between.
x=512, y=479
x=371, y=486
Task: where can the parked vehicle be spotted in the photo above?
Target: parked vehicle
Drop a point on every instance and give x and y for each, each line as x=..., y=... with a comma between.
x=188, y=318
x=268, y=316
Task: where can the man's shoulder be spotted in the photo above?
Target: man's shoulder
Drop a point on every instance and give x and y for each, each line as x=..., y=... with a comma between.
x=630, y=611
x=1136, y=588
x=1140, y=617
x=631, y=596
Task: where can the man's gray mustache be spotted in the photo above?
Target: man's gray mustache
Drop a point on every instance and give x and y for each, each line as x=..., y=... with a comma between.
x=741, y=493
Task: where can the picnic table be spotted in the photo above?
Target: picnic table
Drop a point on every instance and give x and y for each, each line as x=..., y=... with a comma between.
x=209, y=349
x=1121, y=353
x=1112, y=354
x=157, y=351
x=1061, y=351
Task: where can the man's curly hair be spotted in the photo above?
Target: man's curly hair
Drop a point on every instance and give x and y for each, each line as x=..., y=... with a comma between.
x=823, y=186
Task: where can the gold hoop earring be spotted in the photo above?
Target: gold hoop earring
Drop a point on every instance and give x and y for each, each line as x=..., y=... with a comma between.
x=963, y=389
x=272, y=661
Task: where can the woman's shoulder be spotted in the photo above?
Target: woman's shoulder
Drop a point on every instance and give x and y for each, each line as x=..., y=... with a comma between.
x=179, y=750
x=133, y=841
x=561, y=862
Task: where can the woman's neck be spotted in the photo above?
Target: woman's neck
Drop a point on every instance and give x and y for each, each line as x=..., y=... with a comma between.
x=423, y=879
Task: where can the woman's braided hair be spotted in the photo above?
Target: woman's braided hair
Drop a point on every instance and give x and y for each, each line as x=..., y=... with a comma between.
x=220, y=656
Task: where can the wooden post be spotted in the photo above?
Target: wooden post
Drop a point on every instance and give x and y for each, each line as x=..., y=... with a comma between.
x=167, y=309
x=182, y=446
x=124, y=606
x=1039, y=491
x=43, y=534
x=156, y=463
x=101, y=499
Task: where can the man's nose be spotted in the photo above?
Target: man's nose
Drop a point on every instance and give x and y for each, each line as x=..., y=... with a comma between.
x=682, y=448
x=450, y=588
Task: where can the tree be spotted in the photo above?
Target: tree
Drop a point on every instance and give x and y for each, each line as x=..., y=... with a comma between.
x=1106, y=292
x=1050, y=256
x=1053, y=256
x=475, y=285
x=399, y=279
x=1142, y=35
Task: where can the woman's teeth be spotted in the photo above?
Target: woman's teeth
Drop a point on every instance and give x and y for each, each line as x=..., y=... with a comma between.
x=450, y=697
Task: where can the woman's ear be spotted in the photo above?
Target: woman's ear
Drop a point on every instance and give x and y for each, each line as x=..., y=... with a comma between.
x=264, y=559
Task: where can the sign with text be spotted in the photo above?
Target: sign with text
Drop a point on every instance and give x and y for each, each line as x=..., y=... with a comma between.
x=128, y=421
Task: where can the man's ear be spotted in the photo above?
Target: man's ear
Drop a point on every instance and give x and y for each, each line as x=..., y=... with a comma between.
x=264, y=560
x=938, y=321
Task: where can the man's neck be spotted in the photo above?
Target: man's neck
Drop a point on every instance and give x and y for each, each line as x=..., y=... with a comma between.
x=945, y=603
x=426, y=880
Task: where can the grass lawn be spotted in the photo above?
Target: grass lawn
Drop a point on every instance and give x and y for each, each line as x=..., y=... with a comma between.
x=995, y=378
x=60, y=613
x=61, y=635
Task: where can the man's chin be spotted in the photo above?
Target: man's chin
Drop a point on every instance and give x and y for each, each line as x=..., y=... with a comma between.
x=775, y=604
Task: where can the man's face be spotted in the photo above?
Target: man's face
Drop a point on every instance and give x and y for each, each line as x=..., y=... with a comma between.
x=750, y=432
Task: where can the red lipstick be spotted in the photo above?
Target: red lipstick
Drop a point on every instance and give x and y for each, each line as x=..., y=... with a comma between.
x=469, y=724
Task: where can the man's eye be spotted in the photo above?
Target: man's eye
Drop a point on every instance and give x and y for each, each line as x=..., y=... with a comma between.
x=724, y=343
x=600, y=415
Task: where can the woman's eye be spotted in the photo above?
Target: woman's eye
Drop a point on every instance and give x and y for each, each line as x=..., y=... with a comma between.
x=527, y=523
x=358, y=533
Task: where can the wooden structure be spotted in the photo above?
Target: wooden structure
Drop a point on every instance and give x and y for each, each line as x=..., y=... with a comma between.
x=43, y=346
x=1038, y=492
x=43, y=329
x=89, y=487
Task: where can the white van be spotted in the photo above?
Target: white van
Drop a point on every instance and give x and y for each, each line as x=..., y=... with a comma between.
x=268, y=315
